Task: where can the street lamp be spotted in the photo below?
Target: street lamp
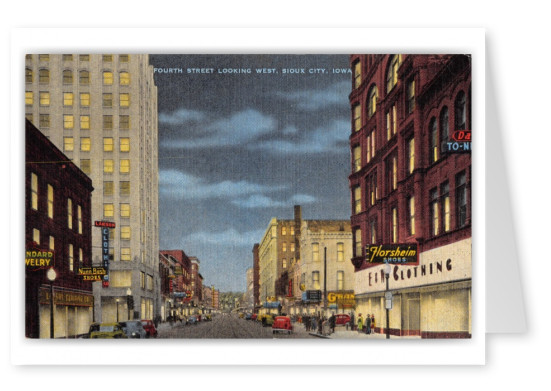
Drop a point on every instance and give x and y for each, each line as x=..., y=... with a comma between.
x=51, y=274
x=129, y=301
x=117, y=300
x=388, y=300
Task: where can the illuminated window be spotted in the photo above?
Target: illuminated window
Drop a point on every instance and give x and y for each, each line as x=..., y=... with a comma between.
x=124, y=122
x=358, y=242
x=126, y=255
x=372, y=101
x=292, y=230
x=284, y=246
x=107, y=78
x=411, y=155
x=340, y=252
x=85, y=144
x=107, y=122
x=108, y=210
x=85, y=122
x=316, y=280
x=315, y=252
x=36, y=236
x=120, y=278
x=108, y=165
x=125, y=210
x=44, y=76
x=67, y=99
x=84, y=78
x=107, y=100
x=357, y=199
x=44, y=98
x=69, y=213
x=108, y=144
x=434, y=212
x=108, y=188
x=125, y=232
x=124, y=78
x=433, y=141
x=284, y=263
x=368, y=144
x=79, y=218
x=411, y=97
x=51, y=243
x=68, y=121
x=394, y=120
x=392, y=73
x=29, y=98
x=373, y=136
x=71, y=258
x=340, y=280
x=34, y=191
x=357, y=74
x=124, y=188
x=292, y=247
x=124, y=166
x=68, y=144
x=67, y=76
x=124, y=144
x=50, y=201
x=446, y=213
x=85, y=99
x=28, y=75
x=85, y=166
x=124, y=100
x=411, y=210
x=373, y=226
x=80, y=258
x=357, y=152
x=283, y=230
x=357, y=117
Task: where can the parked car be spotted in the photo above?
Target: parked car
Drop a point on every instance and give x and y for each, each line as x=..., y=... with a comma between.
x=254, y=316
x=149, y=327
x=342, y=319
x=109, y=330
x=133, y=329
x=248, y=316
x=282, y=324
x=192, y=320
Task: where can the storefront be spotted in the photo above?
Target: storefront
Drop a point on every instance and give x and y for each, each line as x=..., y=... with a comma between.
x=73, y=312
x=430, y=300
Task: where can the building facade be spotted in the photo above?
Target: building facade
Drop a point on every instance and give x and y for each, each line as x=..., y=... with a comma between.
x=181, y=293
x=58, y=201
x=101, y=111
x=408, y=186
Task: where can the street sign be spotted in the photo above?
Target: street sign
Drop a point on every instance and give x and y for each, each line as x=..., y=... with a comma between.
x=388, y=304
x=388, y=295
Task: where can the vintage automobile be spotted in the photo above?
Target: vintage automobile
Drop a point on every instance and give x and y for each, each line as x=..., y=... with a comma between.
x=150, y=329
x=109, y=330
x=133, y=329
x=254, y=316
x=282, y=324
x=266, y=319
x=342, y=319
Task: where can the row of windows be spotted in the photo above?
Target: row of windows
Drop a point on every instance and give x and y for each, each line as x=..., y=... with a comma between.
x=84, y=121
x=81, y=57
x=109, y=188
x=316, y=252
x=72, y=266
x=50, y=212
x=391, y=74
x=439, y=210
x=284, y=247
x=68, y=99
x=284, y=230
x=316, y=280
x=86, y=144
x=108, y=77
x=109, y=210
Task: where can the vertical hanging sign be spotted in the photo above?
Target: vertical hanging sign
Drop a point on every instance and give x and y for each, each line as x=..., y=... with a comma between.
x=105, y=225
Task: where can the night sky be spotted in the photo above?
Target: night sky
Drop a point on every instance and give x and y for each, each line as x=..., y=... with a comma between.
x=238, y=148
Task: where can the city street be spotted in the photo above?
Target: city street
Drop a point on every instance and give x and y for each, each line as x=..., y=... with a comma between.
x=227, y=326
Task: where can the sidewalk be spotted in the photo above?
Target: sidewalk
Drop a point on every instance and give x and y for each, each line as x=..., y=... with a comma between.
x=343, y=333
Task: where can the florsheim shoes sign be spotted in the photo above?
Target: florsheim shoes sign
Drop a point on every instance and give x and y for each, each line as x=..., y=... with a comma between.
x=394, y=254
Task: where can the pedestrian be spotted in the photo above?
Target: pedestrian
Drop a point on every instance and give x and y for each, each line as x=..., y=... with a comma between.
x=307, y=322
x=352, y=321
x=360, y=323
x=320, y=325
x=367, y=324
x=332, y=323
x=372, y=323
x=313, y=323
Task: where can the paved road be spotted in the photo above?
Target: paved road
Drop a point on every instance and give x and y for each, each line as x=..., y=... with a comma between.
x=226, y=326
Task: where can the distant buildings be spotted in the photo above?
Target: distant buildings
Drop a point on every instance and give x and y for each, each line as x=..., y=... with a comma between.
x=407, y=186
x=101, y=112
x=59, y=224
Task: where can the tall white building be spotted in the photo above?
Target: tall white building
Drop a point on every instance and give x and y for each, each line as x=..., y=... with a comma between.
x=101, y=111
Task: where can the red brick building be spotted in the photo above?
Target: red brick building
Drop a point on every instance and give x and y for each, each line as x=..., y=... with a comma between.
x=57, y=220
x=408, y=187
x=181, y=283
